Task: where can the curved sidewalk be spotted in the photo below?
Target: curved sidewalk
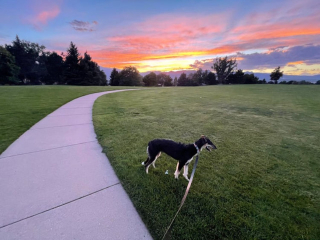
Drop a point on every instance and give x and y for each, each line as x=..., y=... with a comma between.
x=55, y=183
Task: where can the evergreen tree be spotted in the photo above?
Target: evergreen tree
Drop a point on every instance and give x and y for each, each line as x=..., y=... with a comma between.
x=114, y=78
x=27, y=58
x=103, y=78
x=90, y=72
x=72, y=73
x=55, y=67
x=8, y=69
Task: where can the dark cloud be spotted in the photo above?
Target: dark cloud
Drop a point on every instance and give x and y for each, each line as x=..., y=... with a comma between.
x=309, y=54
x=280, y=56
x=83, y=26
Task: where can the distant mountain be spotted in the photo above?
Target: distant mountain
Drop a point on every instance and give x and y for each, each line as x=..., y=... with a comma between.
x=285, y=77
x=107, y=71
x=173, y=74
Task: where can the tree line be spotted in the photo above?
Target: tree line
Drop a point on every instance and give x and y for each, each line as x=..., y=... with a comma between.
x=24, y=62
x=130, y=76
x=224, y=73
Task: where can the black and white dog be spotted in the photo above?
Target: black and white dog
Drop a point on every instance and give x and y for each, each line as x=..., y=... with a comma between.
x=184, y=153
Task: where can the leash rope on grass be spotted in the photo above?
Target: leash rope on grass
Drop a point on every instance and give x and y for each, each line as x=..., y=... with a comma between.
x=166, y=235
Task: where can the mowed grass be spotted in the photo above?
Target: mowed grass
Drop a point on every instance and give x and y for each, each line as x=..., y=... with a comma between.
x=263, y=181
x=23, y=106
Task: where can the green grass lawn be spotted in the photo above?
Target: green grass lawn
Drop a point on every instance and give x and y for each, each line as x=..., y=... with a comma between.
x=263, y=181
x=23, y=106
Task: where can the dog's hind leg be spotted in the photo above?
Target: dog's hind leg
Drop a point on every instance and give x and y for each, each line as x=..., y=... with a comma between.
x=186, y=168
x=145, y=162
x=185, y=172
x=154, y=162
x=178, y=169
x=148, y=163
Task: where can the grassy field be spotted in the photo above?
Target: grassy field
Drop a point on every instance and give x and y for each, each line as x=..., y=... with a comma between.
x=263, y=181
x=23, y=106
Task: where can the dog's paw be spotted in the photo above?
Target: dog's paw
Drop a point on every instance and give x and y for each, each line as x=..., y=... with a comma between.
x=186, y=177
x=142, y=163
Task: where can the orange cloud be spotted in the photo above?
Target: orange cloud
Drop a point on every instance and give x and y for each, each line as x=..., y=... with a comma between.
x=164, y=37
x=294, y=63
x=168, y=37
x=118, y=59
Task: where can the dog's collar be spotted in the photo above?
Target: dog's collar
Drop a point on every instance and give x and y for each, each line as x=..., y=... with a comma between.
x=196, y=148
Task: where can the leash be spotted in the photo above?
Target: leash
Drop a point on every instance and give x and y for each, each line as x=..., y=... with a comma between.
x=167, y=233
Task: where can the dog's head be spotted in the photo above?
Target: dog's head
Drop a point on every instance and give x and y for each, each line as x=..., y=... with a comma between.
x=206, y=143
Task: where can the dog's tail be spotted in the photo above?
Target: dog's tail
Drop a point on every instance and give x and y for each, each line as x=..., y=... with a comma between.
x=148, y=152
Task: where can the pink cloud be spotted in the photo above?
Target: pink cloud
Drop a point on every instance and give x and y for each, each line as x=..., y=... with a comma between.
x=176, y=36
x=42, y=12
x=44, y=16
x=168, y=32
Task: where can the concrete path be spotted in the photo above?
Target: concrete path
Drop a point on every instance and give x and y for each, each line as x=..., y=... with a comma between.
x=55, y=183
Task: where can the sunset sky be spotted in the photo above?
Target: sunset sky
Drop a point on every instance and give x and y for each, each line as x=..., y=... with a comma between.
x=173, y=35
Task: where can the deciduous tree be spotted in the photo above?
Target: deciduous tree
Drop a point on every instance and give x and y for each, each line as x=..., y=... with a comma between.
x=250, y=79
x=150, y=79
x=175, y=81
x=223, y=68
x=164, y=79
x=236, y=77
x=210, y=79
x=27, y=57
x=55, y=67
x=130, y=76
x=168, y=81
x=276, y=75
x=161, y=77
x=182, y=80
